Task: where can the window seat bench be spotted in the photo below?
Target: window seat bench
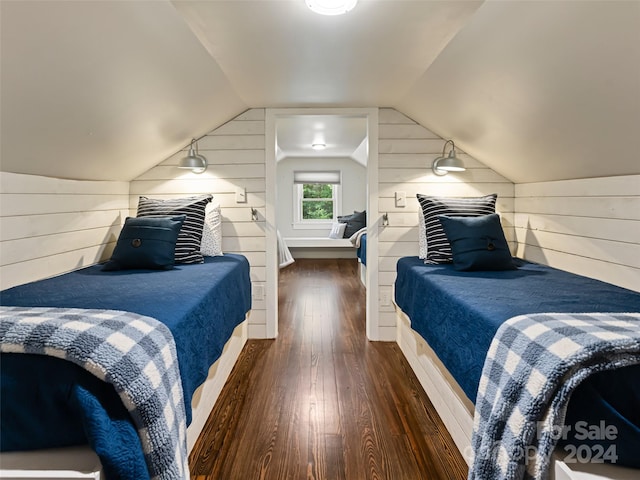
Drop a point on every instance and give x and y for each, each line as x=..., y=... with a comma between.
x=320, y=247
x=317, y=242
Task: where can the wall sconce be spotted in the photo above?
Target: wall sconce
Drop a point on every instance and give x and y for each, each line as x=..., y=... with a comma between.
x=443, y=165
x=254, y=214
x=385, y=219
x=194, y=161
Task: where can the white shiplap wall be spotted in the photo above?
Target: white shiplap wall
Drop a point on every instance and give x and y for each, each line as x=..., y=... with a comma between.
x=590, y=227
x=236, y=156
x=406, y=151
x=50, y=226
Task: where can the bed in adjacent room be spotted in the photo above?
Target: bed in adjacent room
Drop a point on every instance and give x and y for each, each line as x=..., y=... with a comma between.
x=359, y=241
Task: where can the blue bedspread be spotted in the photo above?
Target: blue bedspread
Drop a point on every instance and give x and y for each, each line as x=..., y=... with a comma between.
x=362, y=249
x=458, y=314
x=201, y=304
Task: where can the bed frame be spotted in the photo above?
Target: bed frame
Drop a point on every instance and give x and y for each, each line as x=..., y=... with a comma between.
x=362, y=273
x=456, y=410
x=83, y=463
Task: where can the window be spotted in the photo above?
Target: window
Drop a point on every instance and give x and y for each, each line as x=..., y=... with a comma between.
x=316, y=195
x=317, y=201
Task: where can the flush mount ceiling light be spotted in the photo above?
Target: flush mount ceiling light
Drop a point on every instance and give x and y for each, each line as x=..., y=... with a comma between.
x=194, y=161
x=331, y=7
x=318, y=146
x=443, y=165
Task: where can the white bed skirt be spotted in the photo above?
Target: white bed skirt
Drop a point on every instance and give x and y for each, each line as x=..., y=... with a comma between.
x=82, y=462
x=456, y=410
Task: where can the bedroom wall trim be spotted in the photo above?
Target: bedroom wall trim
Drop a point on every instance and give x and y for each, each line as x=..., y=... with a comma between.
x=50, y=226
x=588, y=226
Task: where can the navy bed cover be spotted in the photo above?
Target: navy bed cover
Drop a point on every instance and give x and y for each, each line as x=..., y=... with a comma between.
x=362, y=249
x=458, y=314
x=201, y=304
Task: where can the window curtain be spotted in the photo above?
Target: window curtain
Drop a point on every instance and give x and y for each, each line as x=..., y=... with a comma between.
x=328, y=177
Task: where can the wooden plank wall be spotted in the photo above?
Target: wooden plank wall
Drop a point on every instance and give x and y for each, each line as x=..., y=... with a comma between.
x=406, y=152
x=50, y=226
x=590, y=227
x=236, y=156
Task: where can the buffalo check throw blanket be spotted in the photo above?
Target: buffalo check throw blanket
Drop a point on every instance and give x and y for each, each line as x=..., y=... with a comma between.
x=533, y=365
x=134, y=353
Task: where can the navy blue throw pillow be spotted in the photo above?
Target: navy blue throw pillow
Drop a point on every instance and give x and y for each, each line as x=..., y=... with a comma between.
x=147, y=243
x=477, y=243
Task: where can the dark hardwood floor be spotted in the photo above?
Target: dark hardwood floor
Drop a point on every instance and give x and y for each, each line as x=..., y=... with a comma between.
x=321, y=401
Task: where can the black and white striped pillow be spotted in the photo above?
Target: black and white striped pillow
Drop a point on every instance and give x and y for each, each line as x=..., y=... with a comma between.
x=190, y=236
x=438, y=246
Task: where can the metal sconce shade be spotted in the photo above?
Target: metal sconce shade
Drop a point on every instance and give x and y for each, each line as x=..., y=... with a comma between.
x=443, y=165
x=194, y=161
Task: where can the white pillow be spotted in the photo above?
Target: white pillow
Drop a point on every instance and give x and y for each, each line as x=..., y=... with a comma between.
x=422, y=236
x=337, y=230
x=211, y=244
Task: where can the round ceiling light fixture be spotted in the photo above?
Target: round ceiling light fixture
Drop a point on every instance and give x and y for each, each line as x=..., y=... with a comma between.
x=318, y=146
x=331, y=7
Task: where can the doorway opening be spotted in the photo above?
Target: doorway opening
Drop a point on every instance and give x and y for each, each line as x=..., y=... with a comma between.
x=321, y=163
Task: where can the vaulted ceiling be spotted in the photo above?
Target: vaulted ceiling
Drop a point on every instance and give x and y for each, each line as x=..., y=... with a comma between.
x=105, y=90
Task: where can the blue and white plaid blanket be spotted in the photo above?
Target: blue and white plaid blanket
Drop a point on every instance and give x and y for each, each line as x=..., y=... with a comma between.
x=134, y=353
x=532, y=367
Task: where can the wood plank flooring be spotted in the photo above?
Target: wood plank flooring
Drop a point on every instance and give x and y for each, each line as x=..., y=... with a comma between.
x=321, y=401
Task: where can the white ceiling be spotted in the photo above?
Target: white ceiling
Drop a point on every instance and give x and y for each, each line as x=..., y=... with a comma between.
x=540, y=90
x=341, y=135
x=107, y=89
x=279, y=53
x=103, y=90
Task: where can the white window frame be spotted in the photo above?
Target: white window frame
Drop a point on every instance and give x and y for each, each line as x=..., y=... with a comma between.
x=300, y=223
